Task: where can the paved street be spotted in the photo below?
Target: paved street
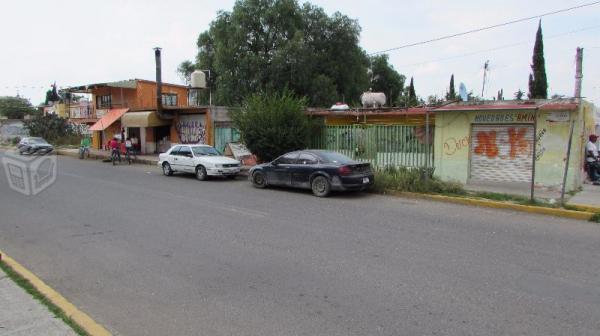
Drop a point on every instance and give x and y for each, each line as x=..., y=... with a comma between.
x=145, y=254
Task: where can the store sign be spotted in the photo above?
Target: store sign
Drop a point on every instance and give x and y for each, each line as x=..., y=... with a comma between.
x=191, y=129
x=505, y=118
x=562, y=116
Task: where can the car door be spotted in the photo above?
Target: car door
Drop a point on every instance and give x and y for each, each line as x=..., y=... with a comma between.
x=302, y=169
x=280, y=171
x=186, y=159
x=173, y=158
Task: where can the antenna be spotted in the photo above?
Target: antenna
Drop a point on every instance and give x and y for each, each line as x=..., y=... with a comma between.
x=485, y=70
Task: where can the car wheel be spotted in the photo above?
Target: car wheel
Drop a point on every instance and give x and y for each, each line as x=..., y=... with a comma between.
x=201, y=173
x=320, y=186
x=166, y=168
x=259, y=180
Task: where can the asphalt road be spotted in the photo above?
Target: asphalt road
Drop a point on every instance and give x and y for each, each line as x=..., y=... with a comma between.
x=145, y=254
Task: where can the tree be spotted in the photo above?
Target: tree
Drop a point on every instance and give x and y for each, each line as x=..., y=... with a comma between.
x=52, y=95
x=519, y=94
x=384, y=78
x=412, y=96
x=451, y=94
x=50, y=127
x=268, y=46
x=273, y=124
x=538, y=84
x=185, y=70
x=16, y=107
x=500, y=95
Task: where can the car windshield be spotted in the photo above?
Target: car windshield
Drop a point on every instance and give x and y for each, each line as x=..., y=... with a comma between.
x=334, y=157
x=37, y=141
x=205, y=150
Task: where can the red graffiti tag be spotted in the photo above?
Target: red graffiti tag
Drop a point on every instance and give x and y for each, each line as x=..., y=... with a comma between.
x=486, y=144
x=518, y=143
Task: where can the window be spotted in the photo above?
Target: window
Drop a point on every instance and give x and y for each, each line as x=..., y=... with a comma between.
x=334, y=157
x=289, y=158
x=103, y=102
x=185, y=151
x=305, y=158
x=204, y=150
x=175, y=151
x=169, y=99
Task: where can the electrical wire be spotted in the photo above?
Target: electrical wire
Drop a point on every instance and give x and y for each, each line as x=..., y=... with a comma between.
x=498, y=48
x=485, y=28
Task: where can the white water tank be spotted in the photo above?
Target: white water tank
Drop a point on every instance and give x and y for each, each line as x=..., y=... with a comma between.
x=198, y=80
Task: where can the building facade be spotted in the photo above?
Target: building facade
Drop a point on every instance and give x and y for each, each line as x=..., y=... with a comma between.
x=501, y=142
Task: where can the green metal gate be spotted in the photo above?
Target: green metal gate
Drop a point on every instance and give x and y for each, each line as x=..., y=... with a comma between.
x=225, y=135
x=395, y=145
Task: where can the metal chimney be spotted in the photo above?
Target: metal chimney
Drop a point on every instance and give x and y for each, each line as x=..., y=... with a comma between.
x=159, y=107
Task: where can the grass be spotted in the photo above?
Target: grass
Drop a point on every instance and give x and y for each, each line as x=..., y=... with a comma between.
x=29, y=288
x=413, y=180
x=595, y=218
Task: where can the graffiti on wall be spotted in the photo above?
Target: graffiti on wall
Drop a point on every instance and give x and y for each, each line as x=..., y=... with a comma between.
x=191, y=130
x=453, y=145
x=515, y=138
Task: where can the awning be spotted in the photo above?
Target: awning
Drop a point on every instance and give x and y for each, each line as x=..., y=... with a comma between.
x=108, y=119
x=143, y=119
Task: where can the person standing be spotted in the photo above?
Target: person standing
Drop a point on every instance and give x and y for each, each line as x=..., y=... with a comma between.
x=84, y=146
x=592, y=159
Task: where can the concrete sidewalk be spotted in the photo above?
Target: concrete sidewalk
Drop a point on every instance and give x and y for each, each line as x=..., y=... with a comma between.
x=21, y=314
x=589, y=196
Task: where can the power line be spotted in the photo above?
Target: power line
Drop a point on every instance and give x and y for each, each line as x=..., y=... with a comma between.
x=498, y=48
x=485, y=28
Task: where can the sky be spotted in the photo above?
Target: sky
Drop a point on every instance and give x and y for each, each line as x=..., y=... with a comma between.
x=80, y=42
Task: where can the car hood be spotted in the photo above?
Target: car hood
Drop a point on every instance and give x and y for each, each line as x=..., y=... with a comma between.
x=217, y=159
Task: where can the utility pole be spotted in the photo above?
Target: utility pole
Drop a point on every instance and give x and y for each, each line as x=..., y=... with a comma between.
x=577, y=94
x=485, y=70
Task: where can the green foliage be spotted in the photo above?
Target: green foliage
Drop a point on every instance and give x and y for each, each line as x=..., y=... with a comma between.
x=50, y=127
x=413, y=180
x=52, y=95
x=519, y=95
x=595, y=218
x=385, y=79
x=273, y=124
x=16, y=140
x=451, y=94
x=16, y=107
x=538, y=83
x=274, y=45
x=412, y=96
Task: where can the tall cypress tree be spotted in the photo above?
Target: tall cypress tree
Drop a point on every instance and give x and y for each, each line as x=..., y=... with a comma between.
x=451, y=94
x=538, y=83
x=412, y=96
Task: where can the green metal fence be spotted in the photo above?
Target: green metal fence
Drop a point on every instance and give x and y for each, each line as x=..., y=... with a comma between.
x=395, y=145
x=225, y=135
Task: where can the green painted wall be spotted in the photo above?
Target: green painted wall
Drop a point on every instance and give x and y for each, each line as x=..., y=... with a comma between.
x=453, y=139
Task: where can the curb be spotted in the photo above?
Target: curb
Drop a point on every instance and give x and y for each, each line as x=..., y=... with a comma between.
x=581, y=207
x=79, y=317
x=572, y=214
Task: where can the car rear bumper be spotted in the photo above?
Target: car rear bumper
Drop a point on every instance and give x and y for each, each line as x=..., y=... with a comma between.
x=361, y=182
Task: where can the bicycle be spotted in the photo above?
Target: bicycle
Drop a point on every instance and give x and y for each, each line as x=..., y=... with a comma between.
x=82, y=151
x=128, y=156
x=114, y=155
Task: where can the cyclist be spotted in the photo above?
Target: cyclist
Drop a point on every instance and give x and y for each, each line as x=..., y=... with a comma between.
x=115, y=148
x=84, y=146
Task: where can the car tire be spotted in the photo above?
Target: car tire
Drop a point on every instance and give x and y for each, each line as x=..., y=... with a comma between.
x=259, y=180
x=166, y=168
x=201, y=173
x=320, y=186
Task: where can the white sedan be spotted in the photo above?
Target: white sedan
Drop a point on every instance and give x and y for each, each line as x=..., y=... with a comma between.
x=202, y=160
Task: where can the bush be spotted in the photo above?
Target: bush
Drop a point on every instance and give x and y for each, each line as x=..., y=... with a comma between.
x=50, y=127
x=271, y=125
x=15, y=140
x=414, y=180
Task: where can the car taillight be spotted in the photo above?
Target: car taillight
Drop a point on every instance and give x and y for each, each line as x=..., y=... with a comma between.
x=344, y=170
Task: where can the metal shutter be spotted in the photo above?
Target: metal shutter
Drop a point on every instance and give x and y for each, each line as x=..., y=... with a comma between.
x=501, y=153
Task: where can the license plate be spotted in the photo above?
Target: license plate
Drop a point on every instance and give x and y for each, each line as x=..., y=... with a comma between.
x=365, y=180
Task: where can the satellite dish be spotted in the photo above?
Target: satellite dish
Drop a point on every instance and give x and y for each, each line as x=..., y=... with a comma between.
x=462, y=92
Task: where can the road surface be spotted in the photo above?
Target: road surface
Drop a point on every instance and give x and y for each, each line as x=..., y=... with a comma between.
x=146, y=254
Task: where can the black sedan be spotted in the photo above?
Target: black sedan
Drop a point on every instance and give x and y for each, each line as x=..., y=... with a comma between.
x=32, y=145
x=318, y=170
